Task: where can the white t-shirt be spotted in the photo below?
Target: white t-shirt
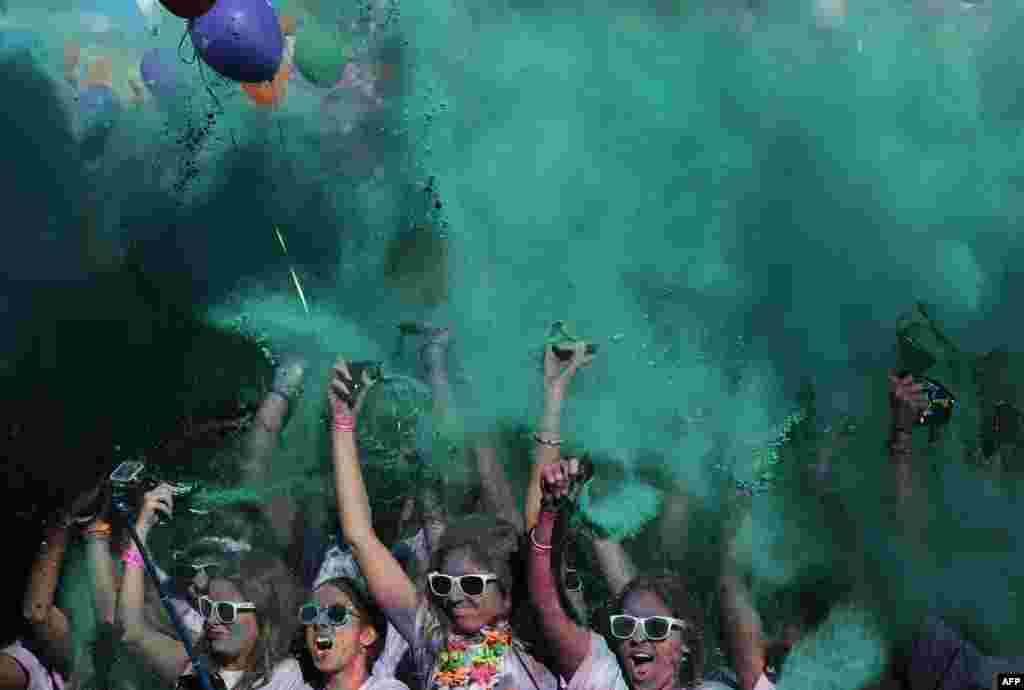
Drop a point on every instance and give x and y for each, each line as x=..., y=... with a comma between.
x=600, y=669
x=395, y=648
x=287, y=676
x=39, y=677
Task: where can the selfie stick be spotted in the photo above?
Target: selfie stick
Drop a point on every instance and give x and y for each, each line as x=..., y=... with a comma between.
x=197, y=664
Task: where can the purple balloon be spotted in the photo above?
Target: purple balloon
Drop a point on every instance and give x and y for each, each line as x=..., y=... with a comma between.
x=159, y=74
x=240, y=39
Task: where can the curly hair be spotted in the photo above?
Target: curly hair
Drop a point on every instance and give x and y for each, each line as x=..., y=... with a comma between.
x=369, y=612
x=676, y=596
x=490, y=541
x=265, y=580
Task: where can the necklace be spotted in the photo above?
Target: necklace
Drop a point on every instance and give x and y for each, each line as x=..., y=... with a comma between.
x=473, y=662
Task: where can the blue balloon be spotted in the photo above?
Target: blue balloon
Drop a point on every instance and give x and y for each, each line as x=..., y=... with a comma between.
x=240, y=39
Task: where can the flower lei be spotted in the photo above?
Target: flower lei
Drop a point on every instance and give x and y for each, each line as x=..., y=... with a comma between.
x=474, y=663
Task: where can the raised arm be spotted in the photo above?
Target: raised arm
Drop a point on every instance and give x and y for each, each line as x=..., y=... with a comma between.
x=165, y=655
x=571, y=643
x=388, y=583
x=615, y=564
x=741, y=627
x=261, y=440
x=548, y=438
x=497, y=490
x=50, y=625
x=906, y=402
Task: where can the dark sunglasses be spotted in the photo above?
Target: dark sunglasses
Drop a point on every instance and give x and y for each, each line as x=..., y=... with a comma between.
x=572, y=580
x=471, y=585
x=225, y=611
x=655, y=628
x=336, y=615
x=192, y=682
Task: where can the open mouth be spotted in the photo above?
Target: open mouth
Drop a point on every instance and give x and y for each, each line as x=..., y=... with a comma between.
x=324, y=643
x=641, y=662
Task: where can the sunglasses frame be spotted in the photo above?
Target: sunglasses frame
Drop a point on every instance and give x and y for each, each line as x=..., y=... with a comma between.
x=236, y=608
x=641, y=624
x=457, y=582
x=321, y=610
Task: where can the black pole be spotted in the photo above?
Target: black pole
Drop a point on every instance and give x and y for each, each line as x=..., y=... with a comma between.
x=165, y=599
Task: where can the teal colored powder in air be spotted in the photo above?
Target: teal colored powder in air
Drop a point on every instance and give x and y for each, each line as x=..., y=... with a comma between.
x=846, y=653
x=622, y=512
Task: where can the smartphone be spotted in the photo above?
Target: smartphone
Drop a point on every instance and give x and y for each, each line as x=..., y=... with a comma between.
x=565, y=353
x=127, y=472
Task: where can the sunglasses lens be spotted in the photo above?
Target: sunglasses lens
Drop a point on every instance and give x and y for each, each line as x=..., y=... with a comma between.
x=573, y=583
x=623, y=627
x=657, y=628
x=226, y=612
x=337, y=615
x=441, y=584
x=473, y=585
x=205, y=607
x=308, y=614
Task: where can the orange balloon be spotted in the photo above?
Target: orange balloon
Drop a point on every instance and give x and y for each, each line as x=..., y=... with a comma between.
x=288, y=24
x=101, y=72
x=269, y=94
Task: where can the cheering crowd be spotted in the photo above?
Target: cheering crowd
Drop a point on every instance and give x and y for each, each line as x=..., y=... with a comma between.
x=485, y=597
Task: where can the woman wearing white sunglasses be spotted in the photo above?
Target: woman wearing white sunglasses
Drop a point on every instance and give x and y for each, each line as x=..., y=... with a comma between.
x=656, y=632
x=249, y=619
x=459, y=629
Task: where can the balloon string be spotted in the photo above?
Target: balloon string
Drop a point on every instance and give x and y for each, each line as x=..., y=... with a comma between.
x=209, y=89
x=202, y=75
x=181, y=43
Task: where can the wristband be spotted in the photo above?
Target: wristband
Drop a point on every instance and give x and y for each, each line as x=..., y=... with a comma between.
x=132, y=558
x=344, y=422
x=537, y=545
x=553, y=443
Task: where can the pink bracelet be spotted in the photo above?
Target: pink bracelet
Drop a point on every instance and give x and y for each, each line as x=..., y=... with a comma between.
x=344, y=422
x=131, y=557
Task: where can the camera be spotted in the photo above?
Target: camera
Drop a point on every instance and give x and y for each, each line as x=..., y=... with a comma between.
x=373, y=371
x=941, y=403
x=130, y=480
x=563, y=341
x=565, y=352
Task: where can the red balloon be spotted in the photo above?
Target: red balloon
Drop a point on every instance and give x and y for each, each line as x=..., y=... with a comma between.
x=188, y=9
